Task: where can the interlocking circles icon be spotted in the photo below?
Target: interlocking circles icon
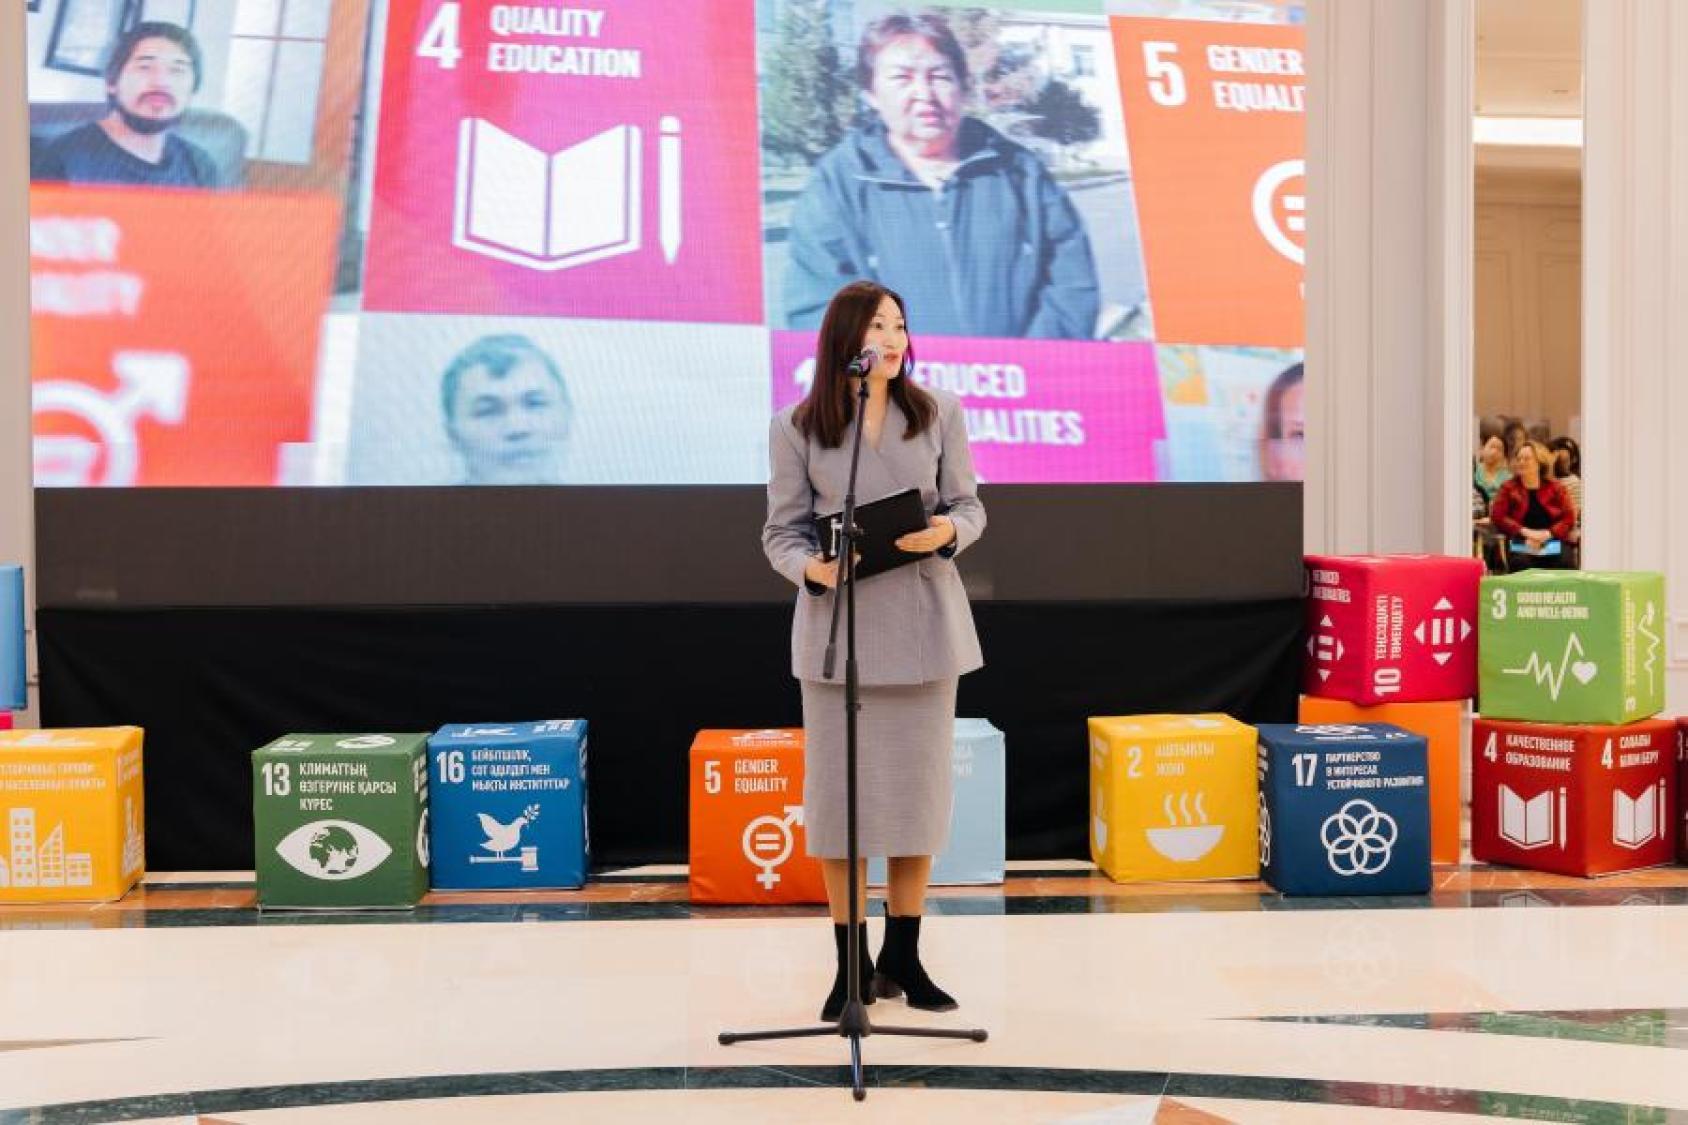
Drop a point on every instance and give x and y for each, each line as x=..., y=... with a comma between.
x=1358, y=839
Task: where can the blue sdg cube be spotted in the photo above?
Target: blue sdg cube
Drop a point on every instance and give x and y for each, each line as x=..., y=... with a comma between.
x=509, y=805
x=978, y=842
x=1344, y=809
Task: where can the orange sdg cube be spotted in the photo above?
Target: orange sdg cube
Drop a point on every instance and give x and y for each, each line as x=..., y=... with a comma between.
x=1443, y=725
x=71, y=813
x=747, y=839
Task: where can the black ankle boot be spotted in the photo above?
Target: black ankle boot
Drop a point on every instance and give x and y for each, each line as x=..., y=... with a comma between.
x=834, y=1006
x=900, y=969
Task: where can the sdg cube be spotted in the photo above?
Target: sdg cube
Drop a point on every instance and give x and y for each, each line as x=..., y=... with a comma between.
x=341, y=821
x=508, y=805
x=1391, y=628
x=1173, y=797
x=747, y=839
x=1572, y=647
x=1344, y=809
x=13, y=689
x=72, y=814
x=1682, y=790
x=978, y=838
x=1576, y=800
x=1443, y=725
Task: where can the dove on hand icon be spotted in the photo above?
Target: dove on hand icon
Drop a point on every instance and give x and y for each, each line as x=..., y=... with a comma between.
x=500, y=837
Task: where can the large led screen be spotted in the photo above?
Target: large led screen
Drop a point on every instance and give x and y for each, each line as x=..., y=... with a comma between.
x=434, y=242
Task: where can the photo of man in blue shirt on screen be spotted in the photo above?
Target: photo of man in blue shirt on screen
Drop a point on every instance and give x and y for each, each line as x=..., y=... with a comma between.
x=154, y=70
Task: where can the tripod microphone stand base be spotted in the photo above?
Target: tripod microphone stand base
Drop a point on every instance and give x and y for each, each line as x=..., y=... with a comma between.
x=854, y=1025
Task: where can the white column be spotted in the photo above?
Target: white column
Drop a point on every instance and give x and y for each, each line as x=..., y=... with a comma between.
x=1389, y=238
x=1635, y=301
x=17, y=504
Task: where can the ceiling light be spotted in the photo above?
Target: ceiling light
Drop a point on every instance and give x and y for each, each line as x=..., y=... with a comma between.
x=1538, y=132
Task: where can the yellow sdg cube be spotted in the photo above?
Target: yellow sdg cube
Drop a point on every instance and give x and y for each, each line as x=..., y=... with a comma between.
x=1173, y=798
x=71, y=814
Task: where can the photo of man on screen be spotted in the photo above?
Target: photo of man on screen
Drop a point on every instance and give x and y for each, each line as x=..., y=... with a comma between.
x=928, y=199
x=154, y=70
x=506, y=411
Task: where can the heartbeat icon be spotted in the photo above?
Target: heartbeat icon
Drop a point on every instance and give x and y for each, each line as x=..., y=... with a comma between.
x=1554, y=678
x=1652, y=641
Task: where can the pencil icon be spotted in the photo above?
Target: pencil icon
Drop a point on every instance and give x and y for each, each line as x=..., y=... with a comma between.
x=668, y=187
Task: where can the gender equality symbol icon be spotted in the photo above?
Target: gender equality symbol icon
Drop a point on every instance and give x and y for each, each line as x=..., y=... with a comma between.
x=150, y=384
x=768, y=842
x=1275, y=190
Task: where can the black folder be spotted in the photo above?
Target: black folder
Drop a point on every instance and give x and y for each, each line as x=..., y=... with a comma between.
x=883, y=522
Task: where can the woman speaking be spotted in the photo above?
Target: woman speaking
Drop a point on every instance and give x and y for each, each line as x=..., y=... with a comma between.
x=915, y=633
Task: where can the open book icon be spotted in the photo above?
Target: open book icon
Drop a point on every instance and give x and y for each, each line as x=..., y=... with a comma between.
x=548, y=211
x=1529, y=824
x=1637, y=820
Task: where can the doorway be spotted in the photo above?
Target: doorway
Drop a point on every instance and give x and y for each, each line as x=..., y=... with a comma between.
x=1527, y=277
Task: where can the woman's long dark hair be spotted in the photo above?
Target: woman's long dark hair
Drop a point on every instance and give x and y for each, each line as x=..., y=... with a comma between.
x=826, y=413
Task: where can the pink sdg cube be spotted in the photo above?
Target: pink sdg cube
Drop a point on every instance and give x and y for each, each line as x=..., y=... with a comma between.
x=1391, y=628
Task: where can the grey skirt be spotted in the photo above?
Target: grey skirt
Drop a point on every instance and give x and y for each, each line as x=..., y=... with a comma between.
x=905, y=739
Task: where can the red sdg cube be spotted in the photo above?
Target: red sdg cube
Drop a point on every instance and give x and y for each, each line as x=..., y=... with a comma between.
x=1682, y=790
x=1391, y=628
x=1577, y=800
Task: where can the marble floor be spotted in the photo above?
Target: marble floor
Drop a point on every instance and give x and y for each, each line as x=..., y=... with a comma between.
x=1502, y=994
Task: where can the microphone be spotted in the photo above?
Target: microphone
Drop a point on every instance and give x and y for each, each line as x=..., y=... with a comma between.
x=867, y=361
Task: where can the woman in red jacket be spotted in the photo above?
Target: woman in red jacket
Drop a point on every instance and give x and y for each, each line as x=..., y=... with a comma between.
x=1533, y=511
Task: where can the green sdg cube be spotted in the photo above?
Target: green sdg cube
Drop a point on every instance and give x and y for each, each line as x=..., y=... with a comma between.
x=1571, y=647
x=341, y=821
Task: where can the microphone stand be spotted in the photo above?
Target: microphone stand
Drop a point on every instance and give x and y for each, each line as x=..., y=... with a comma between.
x=853, y=1023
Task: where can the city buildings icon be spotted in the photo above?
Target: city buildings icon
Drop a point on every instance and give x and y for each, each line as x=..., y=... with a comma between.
x=31, y=862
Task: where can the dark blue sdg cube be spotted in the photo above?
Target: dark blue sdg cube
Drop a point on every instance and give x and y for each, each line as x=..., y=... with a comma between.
x=509, y=805
x=1344, y=809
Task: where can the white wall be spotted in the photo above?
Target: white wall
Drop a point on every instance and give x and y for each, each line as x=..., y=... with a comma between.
x=1635, y=301
x=1389, y=275
x=1528, y=338
x=17, y=505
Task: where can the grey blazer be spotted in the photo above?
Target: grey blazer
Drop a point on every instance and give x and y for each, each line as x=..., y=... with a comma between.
x=913, y=624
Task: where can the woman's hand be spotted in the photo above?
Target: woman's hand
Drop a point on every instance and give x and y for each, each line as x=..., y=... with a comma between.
x=822, y=573
x=940, y=532
x=1536, y=535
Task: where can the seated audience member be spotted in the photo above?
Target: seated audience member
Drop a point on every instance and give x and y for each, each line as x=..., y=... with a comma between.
x=154, y=70
x=1533, y=511
x=1567, y=470
x=1513, y=436
x=1490, y=471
